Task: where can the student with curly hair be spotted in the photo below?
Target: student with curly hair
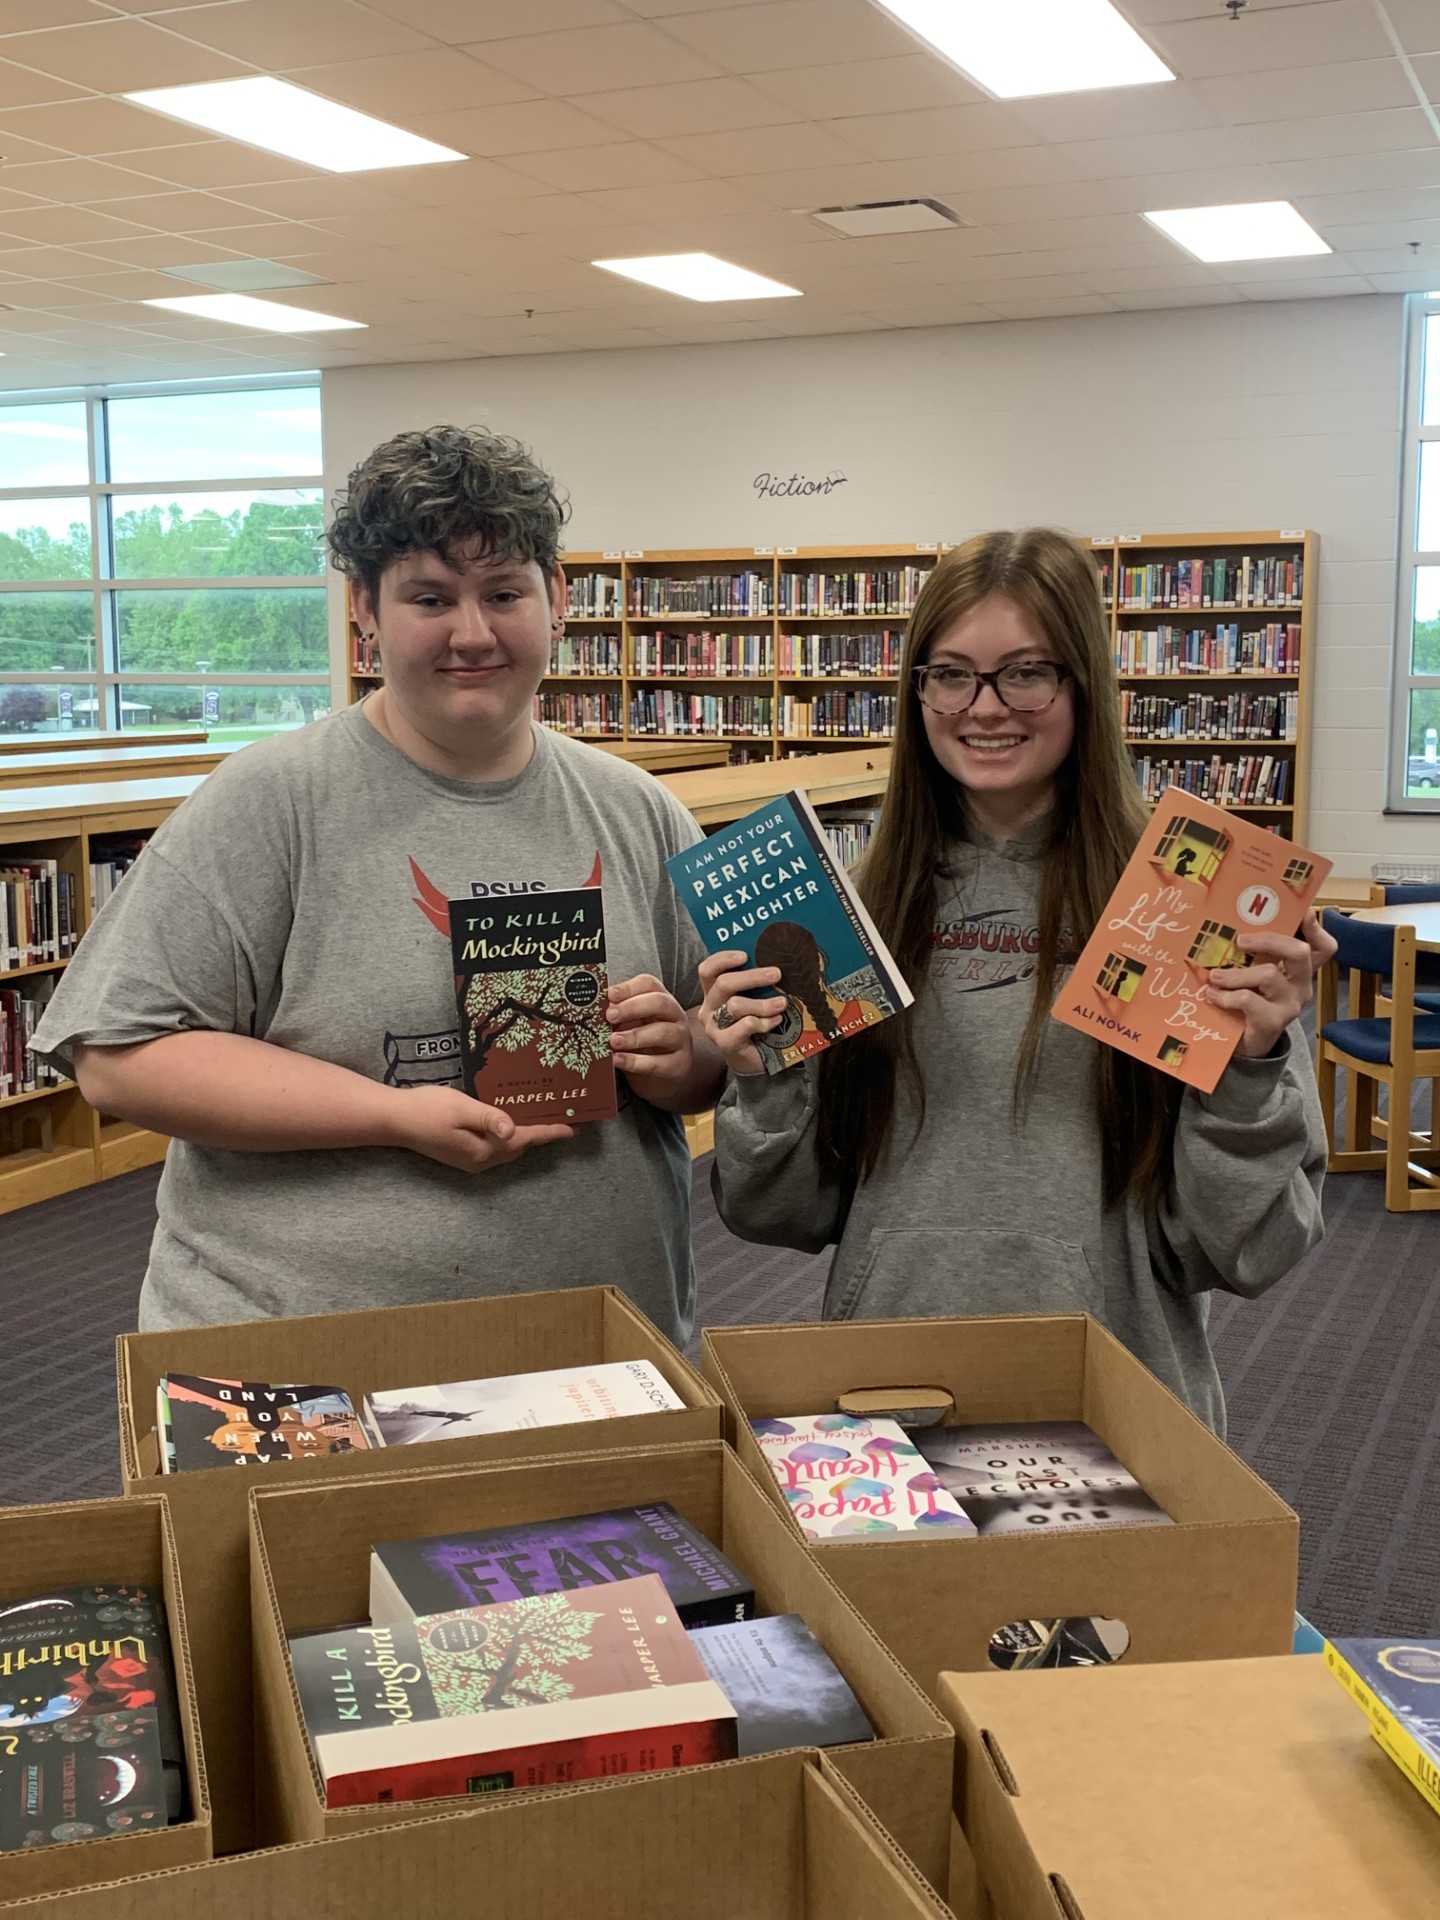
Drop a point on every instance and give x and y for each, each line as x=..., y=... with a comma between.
x=273, y=987
x=972, y=1156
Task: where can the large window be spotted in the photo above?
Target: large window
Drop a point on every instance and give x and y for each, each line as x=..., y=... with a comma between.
x=1415, y=730
x=162, y=561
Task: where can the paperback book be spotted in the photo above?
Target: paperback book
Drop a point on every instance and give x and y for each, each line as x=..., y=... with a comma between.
x=556, y=1398
x=531, y=983
x=537, y=1692
x=769, y=887
x=1081, y=1641
x=87, y=1666
x=1397, y=1683
x=784, y=1687
x=846, y=1478
x=1037, y=1474
x=1198, y=879
x=410, y=1578
x=249, y=1423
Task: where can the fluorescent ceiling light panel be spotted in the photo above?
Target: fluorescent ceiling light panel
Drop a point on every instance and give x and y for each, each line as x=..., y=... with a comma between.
x=239, y=310
x=291, y=120
x=699, y=276
x=1015, y=48
x=1259, y=230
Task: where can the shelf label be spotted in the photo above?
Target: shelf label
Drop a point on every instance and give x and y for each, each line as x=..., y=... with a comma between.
x=1292, y=533
x=1127, y=539
x=612, y=553
x=787, y=550
x=1102, y=539
x=633, y=553
x=927, y=546
x=763, y=552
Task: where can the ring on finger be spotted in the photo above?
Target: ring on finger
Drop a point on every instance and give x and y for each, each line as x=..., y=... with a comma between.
x=722, y=1016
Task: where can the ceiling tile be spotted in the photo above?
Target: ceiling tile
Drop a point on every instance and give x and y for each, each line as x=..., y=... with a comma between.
x=1170, y=107
x=177, y=212
x=91, y=126
x=1417, y=24
x=69, y=226
x=21, y=87
x=586, y=60
x=410, y=226
x=1150, y=153
x=277, y=34
x=935, y=130
x=913, y=81
x=1272, y=39
x=318, y=197
x=1150, y=279
x=790, y=33
x=840, y=186
x=762, y=149
x=23, y=16
x=1357, y=172
x=1223, y=186
x=458, y=21
x=1062, y=309
x=75, y=180
x=694, y=200
x=700, y=106
x=1349, y=87
x=1153, y=299
x=1427, y=72
x=119, y=55
x=460, y=183
x=159, y=250
x=789, y=235
x=1337, y=134
x=629, y=163
x=438, y=80
x=1329, y=289
x=210, y=164
x=541, y=213
x=529, y=126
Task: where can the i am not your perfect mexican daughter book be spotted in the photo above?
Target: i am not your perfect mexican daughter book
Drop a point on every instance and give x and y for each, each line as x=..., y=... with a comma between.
x=1198, y=878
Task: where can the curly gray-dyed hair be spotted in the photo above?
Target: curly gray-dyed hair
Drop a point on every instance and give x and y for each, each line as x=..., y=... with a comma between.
x=446, y=490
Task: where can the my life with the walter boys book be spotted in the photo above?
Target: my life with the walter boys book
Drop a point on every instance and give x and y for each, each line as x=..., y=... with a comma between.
x=413, y=1577
x=526, y=1693
x=846, y=1478
x=249, y=1423
x=530, y=983
x=1197, y=880
x=768, y=887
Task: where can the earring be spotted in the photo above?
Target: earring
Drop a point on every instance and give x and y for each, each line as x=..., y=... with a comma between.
x=557, y=626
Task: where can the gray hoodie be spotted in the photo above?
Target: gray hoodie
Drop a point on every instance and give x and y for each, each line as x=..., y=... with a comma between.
x=984, y=1212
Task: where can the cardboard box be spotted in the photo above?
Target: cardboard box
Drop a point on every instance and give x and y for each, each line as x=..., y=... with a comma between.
x=1220, y=1583
x=363, y=1353
x=82, y=1543
x=784, y=1838
x=310, y=1559
x=1221, y=1791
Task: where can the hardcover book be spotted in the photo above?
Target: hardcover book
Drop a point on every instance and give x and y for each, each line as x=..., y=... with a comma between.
x=77, y=1657
x=248, y=1423
x=1197, y=880
x=555, y=1398
x=530, y=983
x=769, y=887
x=1037, y=1474
x=784, y=1687
x=1397, y=1683
x=848, y=1478
x=537, y=1692
x=86, y=1780
x=409, y=1578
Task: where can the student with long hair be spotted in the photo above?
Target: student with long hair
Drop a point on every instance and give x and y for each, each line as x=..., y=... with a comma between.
x=973, y=1156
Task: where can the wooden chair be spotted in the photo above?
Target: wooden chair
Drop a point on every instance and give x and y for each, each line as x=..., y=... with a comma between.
x=1393, y=1051
x=1427, y=965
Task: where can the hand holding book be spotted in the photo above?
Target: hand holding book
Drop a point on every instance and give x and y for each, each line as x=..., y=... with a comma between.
x=725, y=977
x=447, y=1125
x=652, y=1042
x=1271, y=991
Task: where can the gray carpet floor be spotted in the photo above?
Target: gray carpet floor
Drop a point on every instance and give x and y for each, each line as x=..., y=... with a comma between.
x=1333, y=1379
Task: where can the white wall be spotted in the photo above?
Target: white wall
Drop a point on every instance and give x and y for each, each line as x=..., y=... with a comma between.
x=1261, y=415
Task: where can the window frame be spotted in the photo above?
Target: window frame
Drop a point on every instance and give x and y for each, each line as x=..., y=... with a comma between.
x=104, y=677
x=1404, y=681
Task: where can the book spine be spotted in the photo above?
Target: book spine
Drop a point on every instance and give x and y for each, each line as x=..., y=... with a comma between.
x=555, y=1763
x=1388, y=1728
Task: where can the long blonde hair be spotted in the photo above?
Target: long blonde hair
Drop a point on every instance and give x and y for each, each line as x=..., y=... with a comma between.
x=1098, y=817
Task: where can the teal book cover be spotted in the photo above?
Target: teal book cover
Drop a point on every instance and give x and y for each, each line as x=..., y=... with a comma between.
x=767, y=886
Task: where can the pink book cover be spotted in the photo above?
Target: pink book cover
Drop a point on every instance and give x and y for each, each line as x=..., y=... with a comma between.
x=845, y=1478
x=1198, y=878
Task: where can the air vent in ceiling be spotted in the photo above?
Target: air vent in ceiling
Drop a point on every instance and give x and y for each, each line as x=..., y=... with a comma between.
x=888, y=216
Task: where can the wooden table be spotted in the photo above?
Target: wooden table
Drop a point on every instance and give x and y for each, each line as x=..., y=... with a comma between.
x=81, y=738
x=729, y=792
x=668, y=756
x=90, y=764
x=1422, y=915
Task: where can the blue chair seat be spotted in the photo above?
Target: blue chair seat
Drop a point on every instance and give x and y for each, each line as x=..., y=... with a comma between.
x=1369, y=1040
x=1427, y=1003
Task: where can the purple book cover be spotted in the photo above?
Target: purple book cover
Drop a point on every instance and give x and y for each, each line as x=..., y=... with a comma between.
x=412, y=1578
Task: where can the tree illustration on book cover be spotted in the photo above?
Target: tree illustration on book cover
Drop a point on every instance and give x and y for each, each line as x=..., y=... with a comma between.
x=512, y=1655
x=530, y=986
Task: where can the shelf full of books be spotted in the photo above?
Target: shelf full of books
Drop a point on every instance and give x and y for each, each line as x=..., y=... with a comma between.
x=776, y=652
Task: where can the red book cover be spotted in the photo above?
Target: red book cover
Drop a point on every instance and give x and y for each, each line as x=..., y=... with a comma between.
x=530, y=983
x=553, y=1687
x=1198, y=878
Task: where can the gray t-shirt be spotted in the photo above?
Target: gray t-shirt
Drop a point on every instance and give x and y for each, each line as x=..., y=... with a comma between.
x=299, y=897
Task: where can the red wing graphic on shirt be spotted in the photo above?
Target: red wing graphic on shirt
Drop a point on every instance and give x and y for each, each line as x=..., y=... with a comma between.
x=436, y=906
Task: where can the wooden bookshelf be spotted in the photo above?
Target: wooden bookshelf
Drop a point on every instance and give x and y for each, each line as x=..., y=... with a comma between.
x=619, y=601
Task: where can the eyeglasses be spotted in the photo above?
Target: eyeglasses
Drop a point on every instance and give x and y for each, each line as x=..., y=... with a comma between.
x=1025, y=686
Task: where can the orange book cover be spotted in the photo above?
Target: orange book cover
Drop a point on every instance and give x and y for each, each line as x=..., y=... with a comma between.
x=1198, y=879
